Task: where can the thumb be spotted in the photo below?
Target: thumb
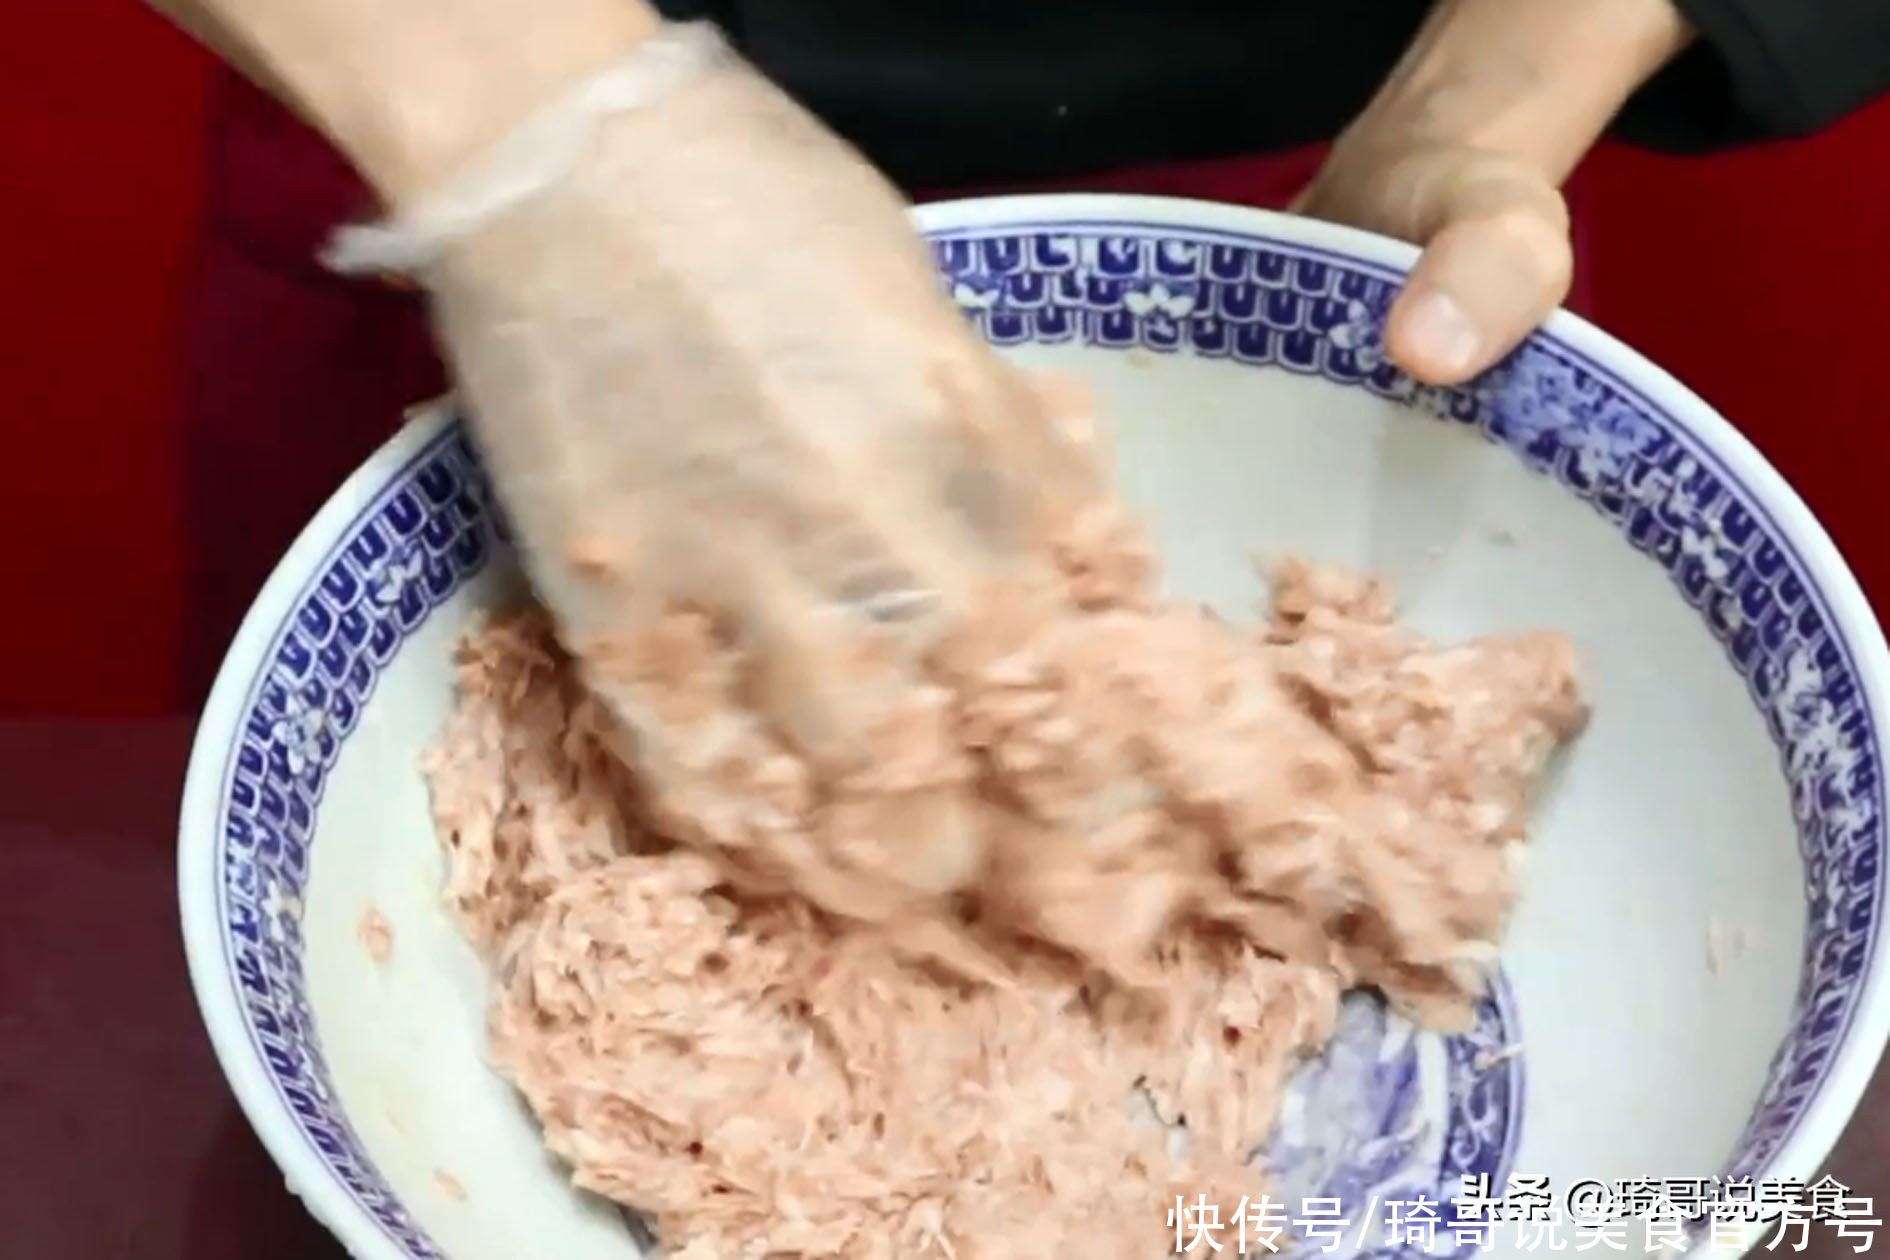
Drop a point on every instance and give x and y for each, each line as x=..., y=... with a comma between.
x=1497, y=261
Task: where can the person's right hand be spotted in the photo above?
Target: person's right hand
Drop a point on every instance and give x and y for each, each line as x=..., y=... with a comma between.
x=713, y=364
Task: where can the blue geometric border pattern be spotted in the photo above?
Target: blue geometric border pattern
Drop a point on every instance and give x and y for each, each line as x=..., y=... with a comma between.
x=1160, y=289
x=429, y=532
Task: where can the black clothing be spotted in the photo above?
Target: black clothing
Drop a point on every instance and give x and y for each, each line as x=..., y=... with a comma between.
x=944, y=92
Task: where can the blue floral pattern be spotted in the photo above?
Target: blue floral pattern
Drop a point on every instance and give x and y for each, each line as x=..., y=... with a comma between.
x=1359, y=1127
x=1223, y=295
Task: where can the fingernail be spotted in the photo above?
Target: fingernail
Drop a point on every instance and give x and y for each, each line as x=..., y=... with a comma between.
x=1440, y=334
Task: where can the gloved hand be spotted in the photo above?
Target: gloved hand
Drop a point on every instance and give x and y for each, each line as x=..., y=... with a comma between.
x=710, y=362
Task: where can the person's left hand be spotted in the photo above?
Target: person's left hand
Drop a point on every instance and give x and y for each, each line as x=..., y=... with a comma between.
x=1495, y=233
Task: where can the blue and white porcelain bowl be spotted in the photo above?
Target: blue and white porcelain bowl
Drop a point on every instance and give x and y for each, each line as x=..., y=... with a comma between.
x=1695, y=984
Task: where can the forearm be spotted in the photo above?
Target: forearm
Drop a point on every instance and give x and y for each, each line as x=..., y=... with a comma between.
x=1535, y=80
x=197, y=21
x=410, y=91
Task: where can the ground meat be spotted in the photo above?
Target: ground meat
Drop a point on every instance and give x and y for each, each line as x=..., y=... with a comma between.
x=376, y=935
x=745, y=998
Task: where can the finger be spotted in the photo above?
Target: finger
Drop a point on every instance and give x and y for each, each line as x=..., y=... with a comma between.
x=818, y=674
x=1497, y=261
x=591, y=583
x=1024, y=450
x=1306, y=200
x=842, y=532
x=632, y=653
x=1067, y=405
x=820, y=671
x=922, y=569
x=847, y=699
x=952, y=506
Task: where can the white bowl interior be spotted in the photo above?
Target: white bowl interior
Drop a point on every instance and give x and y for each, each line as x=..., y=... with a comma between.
x=1657, y=976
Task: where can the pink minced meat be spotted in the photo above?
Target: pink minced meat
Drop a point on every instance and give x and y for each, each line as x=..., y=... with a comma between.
x=742, y=999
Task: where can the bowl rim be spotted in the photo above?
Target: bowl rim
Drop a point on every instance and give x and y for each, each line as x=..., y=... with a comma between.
x=1801, y=1154
x=206, y=778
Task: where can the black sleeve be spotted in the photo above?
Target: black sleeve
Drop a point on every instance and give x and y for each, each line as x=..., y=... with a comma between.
x=1763, y=69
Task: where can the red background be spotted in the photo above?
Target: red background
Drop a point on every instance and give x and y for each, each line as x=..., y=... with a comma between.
x=1762, y=279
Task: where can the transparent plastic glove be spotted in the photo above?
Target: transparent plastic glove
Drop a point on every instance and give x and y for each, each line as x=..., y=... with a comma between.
x=710, y=363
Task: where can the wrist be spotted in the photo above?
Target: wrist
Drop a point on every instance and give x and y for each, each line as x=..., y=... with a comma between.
x=1537, y=81
x=454, y=105
x=412, y=92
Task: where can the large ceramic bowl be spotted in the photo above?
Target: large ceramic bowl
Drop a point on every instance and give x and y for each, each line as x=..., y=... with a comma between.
x=1695, y=977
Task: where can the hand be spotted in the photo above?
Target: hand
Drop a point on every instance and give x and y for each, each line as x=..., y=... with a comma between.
x=1495, y=232
x=1464, y=150
x=711, y=365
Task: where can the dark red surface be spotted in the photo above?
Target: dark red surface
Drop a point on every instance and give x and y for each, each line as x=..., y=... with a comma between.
x=118, y=1139
x=1762, y=279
